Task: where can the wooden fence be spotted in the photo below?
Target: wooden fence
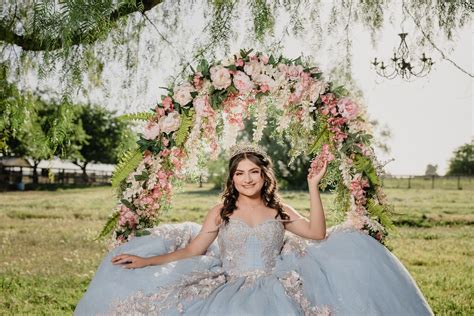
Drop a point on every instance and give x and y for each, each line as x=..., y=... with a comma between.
x=17, y=178
x=429, y=182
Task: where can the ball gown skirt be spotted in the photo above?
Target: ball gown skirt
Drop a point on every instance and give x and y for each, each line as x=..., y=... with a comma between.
x=259, y=270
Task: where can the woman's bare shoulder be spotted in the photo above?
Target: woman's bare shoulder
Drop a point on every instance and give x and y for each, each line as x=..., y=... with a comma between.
x=215, y=212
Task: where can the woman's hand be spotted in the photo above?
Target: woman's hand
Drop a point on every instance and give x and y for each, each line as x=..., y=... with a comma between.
x=130, y=261
x=316, y=172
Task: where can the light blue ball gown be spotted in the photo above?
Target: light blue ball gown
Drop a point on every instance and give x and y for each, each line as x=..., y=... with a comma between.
x=259, y=270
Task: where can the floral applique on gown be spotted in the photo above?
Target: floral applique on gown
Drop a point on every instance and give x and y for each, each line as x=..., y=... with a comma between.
x=259, y=270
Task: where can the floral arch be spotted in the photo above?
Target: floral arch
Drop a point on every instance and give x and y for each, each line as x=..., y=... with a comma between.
x=208, y=111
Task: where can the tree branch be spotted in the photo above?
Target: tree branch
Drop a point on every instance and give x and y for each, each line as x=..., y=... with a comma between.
x=31, y=42
x=428, y=37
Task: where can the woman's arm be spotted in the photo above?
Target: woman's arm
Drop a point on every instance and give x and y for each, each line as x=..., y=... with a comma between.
x=315, y=228
x=197, y=246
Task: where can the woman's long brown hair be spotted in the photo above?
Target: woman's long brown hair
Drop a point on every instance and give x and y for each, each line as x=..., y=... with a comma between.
x=269, y=192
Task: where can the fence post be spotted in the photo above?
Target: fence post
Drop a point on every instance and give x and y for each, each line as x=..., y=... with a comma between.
x=409, y=182
x=432, y=181
x=459, y=183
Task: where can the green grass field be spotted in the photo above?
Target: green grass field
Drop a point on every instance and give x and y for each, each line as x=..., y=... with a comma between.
x=49, y=255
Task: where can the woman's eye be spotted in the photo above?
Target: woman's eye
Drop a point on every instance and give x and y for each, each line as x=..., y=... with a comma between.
x=255, y=171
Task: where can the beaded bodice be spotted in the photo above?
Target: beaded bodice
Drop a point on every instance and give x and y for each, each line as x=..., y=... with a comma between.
x=244, y=248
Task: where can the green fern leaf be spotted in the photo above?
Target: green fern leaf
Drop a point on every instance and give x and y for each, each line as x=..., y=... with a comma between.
x=109, y=226
x=183, y=131
x=323, y=137
x=379, y=211
x=127, y=164
x=365, y=165
x=141, y=116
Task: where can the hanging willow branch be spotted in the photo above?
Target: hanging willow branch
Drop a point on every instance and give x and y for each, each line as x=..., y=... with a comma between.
x=32, y=42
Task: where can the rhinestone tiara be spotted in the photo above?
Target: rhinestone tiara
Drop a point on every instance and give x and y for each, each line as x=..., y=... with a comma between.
x=246, y=148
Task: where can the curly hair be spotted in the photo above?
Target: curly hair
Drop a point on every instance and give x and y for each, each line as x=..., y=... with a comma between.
x=269, y=192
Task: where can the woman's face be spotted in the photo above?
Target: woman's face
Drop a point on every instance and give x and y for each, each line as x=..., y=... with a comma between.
x=248, y=179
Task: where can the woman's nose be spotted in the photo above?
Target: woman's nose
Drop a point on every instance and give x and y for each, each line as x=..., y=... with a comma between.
x=248, y=178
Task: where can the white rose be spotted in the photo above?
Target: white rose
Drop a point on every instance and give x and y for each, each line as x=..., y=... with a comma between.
x=220, y=77
x=253, y=68
x=152, y=130
x=182, y=94
x=262, y=79
x=170, y=122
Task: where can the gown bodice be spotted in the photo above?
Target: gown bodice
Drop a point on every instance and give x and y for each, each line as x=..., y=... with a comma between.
x=249, y=249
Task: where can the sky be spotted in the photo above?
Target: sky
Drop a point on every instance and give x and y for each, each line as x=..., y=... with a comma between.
x=428, y=118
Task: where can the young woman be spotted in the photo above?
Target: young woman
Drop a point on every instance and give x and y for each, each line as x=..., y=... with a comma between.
x=255, y=268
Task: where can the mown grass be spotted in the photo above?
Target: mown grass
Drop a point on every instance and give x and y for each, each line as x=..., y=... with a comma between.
x=49, y=252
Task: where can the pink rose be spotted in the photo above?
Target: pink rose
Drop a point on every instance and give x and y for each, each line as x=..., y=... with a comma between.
x=242, y=82
x=159, y=111
x=202, y=106
x=264, y=88
x=182, y=93
x=170, y=122
x=347, y=108
x=220, y=77
x=168, y=103
x=239, y=62
x=197, y=80
x=152, y=130
x=294, y=71
x=264, y=59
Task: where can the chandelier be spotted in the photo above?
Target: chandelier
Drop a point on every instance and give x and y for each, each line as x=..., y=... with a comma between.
x=400, y=64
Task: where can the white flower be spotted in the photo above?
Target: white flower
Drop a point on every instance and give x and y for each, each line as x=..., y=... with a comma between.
x=170, y=122
x=316, y=88
x=253, y=68
x=152, y=130
x=220, y=77
x=182, y=93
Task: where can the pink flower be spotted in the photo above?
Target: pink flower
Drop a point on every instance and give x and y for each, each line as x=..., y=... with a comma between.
x=165, y=141
x=239, y=62
x=170, y=122
x=159, y=111
x=156, y=193
x=168, y=103
x=165, y=152
x=147, y=157
x=220, y=77
x=264, y=59
x=182, y=93
x=264, y=88
x=242, y=82
x=347, y=108
x=202, y=106
x=127, y=217
x=152, y=130
x=294, y=71
x=197, y=80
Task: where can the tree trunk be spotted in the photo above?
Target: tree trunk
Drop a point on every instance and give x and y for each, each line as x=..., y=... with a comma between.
x=85, y=176
x=35, y=171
